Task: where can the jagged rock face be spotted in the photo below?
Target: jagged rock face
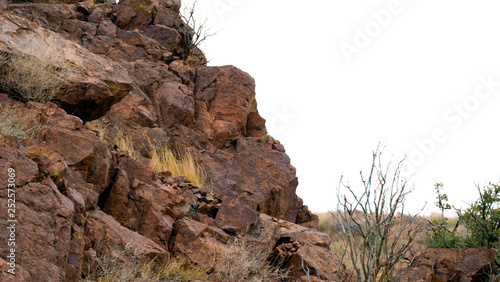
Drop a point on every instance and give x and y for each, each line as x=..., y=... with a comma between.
x=94, y=83
x=80, y=196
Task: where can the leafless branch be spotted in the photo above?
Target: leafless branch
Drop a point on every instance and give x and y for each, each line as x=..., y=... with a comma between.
x=195, y=32
x=377, y=232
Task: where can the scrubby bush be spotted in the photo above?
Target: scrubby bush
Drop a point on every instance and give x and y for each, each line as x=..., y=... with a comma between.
x=444, y=238
x=240, y=262
x=174, y=269
x=378, y=235
x=194, y=34
x=29, y=76
x=481, y=220
x=127, y=265
x=16, y=123
x=441, y=236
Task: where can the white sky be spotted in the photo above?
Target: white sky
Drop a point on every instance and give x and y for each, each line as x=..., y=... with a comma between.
x=417, y=73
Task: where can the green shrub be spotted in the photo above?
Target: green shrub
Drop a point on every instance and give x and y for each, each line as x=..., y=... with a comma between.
x=481, y=219
x=444, y=238
x=441, y=236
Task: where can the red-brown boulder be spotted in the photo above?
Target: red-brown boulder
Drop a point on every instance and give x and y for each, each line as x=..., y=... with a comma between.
x=109, y=239
x=43, y=230
x=450, y=265
x=136, y=14
x=235, y=218
x=144, y=208
x=88, y=94
x=260, y=176
x=198, y=241
x=228, y=95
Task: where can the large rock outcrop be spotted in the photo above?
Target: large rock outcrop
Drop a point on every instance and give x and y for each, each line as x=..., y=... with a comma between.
x=79, y=197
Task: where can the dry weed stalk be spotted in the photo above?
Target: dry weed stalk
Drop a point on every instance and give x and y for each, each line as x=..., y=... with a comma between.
x=182, y=164
x=240, y=262
x=378, y=235
x=99, y=127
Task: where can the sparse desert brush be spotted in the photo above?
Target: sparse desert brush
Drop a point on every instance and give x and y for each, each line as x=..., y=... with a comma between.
x=112, y=268
x=194, y=34
x=123, y=141
x=28, y=75
x=241, y=262
x=100, y=127
x=180, y=164
x=379, y=237
x=174, y=269
x=108, y=268
x=16, y=123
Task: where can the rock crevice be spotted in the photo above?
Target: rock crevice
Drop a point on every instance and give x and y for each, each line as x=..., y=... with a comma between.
x=81, y=197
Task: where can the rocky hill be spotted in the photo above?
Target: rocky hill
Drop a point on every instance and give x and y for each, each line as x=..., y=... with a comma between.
x=125, y=70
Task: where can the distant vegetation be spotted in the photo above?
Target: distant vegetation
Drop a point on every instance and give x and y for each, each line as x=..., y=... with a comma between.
x=481, y=221
x=376, y=238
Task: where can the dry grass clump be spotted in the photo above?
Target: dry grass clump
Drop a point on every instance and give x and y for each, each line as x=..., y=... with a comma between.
x=174, y=270
x=162, y=158
x=240, y=262
x=17, y=123
x=28, y=75
x=128, y=266
x=181, y=164
x=123, y=266
x=100, y=127
x=123, y=141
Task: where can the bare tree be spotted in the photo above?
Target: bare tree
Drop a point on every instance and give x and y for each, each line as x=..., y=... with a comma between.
x=377, y=233
x=195, y=32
